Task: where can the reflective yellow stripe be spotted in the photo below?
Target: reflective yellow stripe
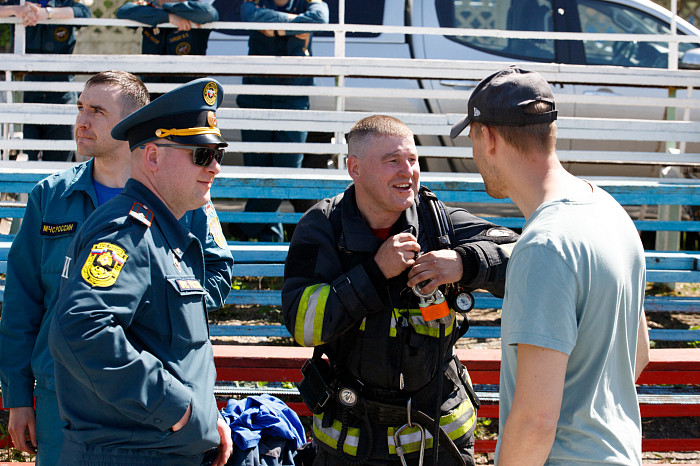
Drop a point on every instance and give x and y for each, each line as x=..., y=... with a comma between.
x=455, y=424
x=394, y=319
x=432, y=328
x=312, y=306
x=415, y=319
x=331, y=435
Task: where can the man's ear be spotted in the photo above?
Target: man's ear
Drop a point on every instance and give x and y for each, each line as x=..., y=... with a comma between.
x=353, y=167
x=489, y=137
x=151, y=156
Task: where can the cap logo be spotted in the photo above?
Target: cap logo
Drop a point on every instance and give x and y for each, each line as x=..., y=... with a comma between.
x=477, y=112
x=211, y=119
x=183, y=48
x=210, y=92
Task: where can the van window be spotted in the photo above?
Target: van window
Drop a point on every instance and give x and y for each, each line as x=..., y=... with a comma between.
x=603, y=17
x=512, y=15
x=356, y=12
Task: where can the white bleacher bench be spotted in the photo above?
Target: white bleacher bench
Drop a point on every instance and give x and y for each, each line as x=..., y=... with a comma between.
x=431, y=126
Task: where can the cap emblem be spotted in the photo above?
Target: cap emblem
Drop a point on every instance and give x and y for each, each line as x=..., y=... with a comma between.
x=211, y=119
x=210, y=92
x=476, y=112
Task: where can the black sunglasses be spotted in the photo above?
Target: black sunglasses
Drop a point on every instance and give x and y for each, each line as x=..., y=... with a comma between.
x=201, y=156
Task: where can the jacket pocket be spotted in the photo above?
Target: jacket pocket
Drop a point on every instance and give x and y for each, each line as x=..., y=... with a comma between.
x=187, y=311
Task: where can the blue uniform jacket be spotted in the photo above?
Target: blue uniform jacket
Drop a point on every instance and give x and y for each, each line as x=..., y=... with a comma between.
x=129, y=333
x=56, y=209
x=168, y=41
x=265, y=11
x=45, y=38
x=49, y=38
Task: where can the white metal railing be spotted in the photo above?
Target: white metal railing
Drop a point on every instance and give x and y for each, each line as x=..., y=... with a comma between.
x=341, y=68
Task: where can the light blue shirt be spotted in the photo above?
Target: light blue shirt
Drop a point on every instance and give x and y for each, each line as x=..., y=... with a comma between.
x=575, y=284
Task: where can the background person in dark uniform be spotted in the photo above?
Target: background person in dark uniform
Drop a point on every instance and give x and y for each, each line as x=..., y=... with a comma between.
x=134, y=366
x=284, y=44
x=187, y=39
x=47, y=38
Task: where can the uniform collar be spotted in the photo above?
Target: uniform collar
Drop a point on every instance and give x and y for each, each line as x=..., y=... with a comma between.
x=82, y=181
x=177, y=236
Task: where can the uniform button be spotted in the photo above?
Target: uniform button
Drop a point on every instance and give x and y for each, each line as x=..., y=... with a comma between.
x=157, y=421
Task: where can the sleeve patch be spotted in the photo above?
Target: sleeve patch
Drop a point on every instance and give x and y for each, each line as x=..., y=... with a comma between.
x=498, y=235
x=52, y=229
x=103, y=265
x=217, y=233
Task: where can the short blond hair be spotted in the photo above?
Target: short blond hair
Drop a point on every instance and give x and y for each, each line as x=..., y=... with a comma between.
x=375, y=125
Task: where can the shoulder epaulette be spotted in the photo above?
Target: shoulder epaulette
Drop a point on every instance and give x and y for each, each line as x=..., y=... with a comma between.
x=141, y=213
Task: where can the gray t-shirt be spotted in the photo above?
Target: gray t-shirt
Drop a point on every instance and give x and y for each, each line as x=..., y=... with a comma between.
x=575, y=284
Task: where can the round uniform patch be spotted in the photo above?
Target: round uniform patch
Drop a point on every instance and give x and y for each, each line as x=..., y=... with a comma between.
x=498, y=232
x=61, y=34
x=103, y=265
x=210, y=92
x=217, y=233
x=183, y=48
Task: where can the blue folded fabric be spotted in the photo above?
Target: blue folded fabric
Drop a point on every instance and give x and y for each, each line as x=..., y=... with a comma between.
x=260, y=416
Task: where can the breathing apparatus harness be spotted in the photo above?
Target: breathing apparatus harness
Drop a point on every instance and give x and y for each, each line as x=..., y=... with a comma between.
x=321, y=387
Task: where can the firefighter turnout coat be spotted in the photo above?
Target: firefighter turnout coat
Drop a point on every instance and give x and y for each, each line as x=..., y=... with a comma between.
x=335, y=295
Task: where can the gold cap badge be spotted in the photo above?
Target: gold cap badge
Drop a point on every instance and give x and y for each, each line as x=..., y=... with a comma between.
x=210, y=92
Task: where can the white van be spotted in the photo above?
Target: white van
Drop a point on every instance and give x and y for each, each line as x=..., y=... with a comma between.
x=596, y=16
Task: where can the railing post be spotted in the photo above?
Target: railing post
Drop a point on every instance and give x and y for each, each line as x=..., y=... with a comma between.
x=20, y=34
x=669, y=240
x=673, y=46
x=7, y=128
x=19, y=49
x=339, y=35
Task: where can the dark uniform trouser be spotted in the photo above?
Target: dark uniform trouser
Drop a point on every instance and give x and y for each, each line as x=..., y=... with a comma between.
x=74, y=454
x=467, y=450
x=273, y=231
x=49, y=132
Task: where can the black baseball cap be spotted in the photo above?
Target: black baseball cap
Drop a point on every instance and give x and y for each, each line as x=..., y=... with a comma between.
x=501, y=98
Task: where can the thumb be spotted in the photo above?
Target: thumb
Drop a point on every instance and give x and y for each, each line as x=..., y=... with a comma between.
x=32, y=433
